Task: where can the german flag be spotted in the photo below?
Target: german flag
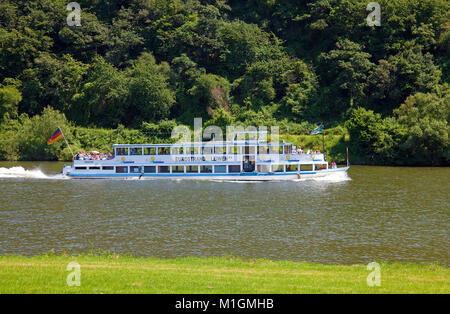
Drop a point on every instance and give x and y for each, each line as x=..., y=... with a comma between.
x=56, y=136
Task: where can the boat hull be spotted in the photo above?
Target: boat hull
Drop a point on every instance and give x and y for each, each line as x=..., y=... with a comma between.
x=213, y=177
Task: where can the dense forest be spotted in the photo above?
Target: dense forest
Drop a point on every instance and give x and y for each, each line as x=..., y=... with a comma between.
x=133, y=69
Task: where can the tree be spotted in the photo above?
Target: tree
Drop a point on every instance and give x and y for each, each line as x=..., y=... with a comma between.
x=102, y=99
x=345, y=70
x=10, y=97
x=149, y=97
x=426, y=118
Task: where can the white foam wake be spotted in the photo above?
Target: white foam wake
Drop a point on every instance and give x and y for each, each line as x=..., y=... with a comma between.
x=20, y=172
x=340, y=176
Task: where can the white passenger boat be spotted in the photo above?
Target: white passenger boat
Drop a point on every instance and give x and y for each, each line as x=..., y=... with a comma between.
x=237, y=160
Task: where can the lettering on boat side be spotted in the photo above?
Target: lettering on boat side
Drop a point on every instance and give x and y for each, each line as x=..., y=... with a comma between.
x=203, y=158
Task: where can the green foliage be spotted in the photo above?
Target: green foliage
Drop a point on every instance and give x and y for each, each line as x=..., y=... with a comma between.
x=149, y=97
x=274, y=62
x=10, y=97
x=26, y=139
x=425, y=117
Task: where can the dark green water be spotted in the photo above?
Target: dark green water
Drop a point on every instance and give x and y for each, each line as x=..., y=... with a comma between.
x=381, y=214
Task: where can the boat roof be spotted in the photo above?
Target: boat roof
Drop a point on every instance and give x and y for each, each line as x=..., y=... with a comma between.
x=204, y=144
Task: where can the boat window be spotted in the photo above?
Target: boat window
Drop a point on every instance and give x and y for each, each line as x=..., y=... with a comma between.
x=291, y=168
x=263, y=150
x=94, y=168
x=206, y=169
x=150, y=151
x=121, y=169
x=163, y=169
x=164, y=151
x=207, y=150
x=136, y=151
x=177, y=169
x=277, y=168
x=135, y=169
x=306, y=167
x=264, y=168
x=177, y=151
x=189, y=150
x=220, y=169
x=234, y=169
x=80, y=168
x=149, y=169
x=288, y=149
x=108, y=168
x=192, y=169
x=219, y=150
x=275, y=149
x=122, y=151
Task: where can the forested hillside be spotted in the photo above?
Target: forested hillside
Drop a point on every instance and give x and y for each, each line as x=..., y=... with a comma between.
x=144, y=65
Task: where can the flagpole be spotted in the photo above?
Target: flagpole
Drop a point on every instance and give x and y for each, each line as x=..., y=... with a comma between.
x=66, y=141
x=323, y=139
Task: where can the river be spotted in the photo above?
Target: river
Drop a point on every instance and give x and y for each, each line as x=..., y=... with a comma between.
x=373, y=214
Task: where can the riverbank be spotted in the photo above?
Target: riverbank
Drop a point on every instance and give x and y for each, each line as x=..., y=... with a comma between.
x=228, y=275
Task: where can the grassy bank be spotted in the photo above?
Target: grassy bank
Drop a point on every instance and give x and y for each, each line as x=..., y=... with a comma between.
x=47, y=274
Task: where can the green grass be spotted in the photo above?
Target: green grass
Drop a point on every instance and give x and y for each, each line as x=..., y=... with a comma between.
x=228, y=275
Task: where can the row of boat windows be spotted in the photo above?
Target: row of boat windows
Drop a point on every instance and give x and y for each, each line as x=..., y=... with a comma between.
x=198, y=169
x=219, y=150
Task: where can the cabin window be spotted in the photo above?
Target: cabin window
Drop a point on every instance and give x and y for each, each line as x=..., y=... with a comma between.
x=150, y=151
x=80, y=168
x=306, y=167
x=277, y=168
x=164, y=151
x=234, y=169
x=220, y=169
x=94, y=168
x=149, y=169
x=274, y=150
x=121, y=169
x=291, y=168
x=136, y=151
x=288, y=149
x=108, y=168
x=177, y=151
x=135, y=169
x=219, y=150
x=263, y=168
x=263, y=150
x=189, y=150
x=122, y=151
x=192, y=169
x=177, y=169
x=163, y=169
x=208, y=150
x=206, y=169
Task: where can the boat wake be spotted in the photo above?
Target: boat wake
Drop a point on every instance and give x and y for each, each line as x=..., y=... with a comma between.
x=333, y=177
x=20, y=172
